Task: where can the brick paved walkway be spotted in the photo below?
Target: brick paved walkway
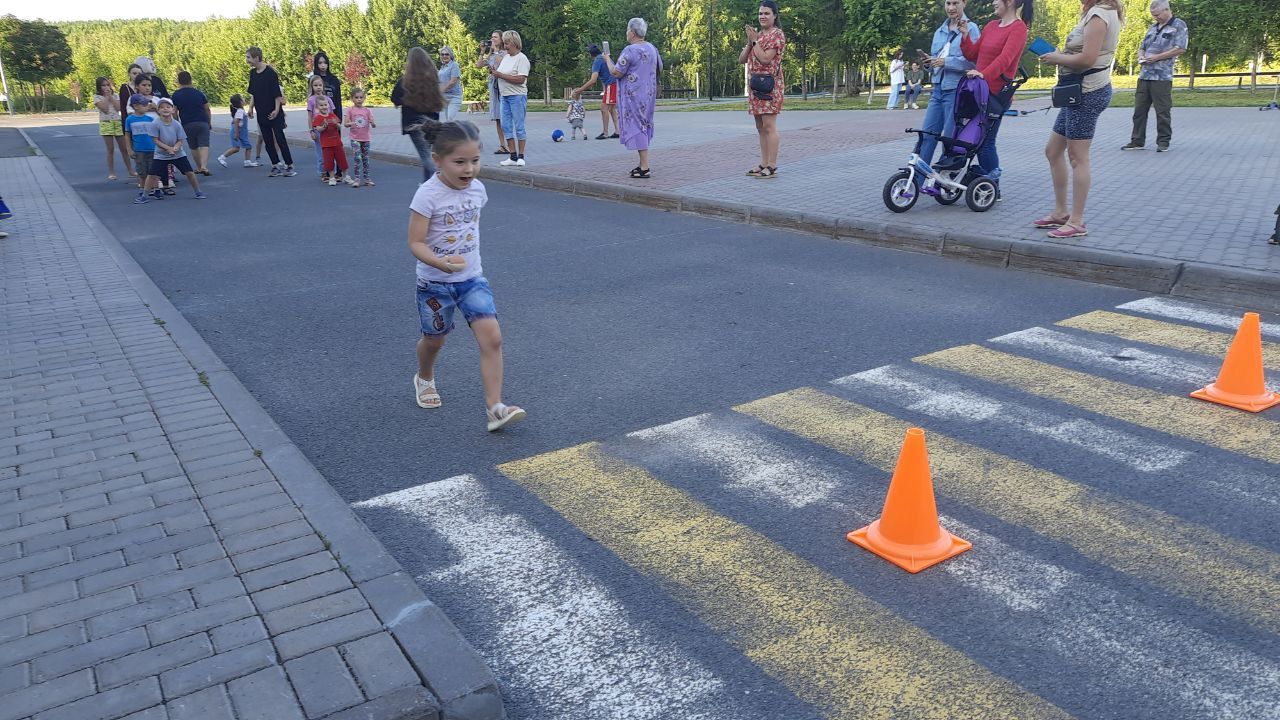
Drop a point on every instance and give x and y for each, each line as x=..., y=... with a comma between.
x=1210, y=200
x=164, y=551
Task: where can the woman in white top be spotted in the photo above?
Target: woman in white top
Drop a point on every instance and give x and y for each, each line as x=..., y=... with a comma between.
x=1089, y=48
x=512, y=73
x=897, y=76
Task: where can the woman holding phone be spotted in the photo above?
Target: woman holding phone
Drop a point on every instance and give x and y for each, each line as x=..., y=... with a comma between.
x=995, y=56
x=763, y=57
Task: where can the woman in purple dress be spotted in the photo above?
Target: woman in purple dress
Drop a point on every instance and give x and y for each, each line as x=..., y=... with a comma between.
x=637, y=70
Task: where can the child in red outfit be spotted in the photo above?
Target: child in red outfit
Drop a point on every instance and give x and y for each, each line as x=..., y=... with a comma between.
x=330, y=129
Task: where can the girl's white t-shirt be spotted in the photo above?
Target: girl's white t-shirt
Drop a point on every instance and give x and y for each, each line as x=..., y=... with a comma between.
x=111, y=114
x=454, y=228
x=517, y=64
x=243, y=117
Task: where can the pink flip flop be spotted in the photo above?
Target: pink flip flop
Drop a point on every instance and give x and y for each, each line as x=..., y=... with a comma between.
x=1068, y=231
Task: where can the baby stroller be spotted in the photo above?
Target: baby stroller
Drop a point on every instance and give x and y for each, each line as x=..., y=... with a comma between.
x=952, y=177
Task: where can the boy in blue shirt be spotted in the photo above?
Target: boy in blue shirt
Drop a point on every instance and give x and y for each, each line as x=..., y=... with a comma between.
x=137, y=135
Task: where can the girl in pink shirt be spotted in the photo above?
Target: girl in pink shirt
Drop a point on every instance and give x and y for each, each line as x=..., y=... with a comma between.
x=359, y=121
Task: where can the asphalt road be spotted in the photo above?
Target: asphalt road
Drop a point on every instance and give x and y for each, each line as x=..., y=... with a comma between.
x=618, y=319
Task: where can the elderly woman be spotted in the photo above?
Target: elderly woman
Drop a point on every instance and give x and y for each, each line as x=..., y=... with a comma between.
x=513, y=75
x=637, y=70
x=450, y=84
x=490, y=57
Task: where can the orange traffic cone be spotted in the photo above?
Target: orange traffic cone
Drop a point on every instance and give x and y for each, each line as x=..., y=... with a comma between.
x=907, y=533
x=1241, y=383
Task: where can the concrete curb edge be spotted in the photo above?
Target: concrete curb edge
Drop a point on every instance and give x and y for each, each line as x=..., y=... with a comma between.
x=463, y=685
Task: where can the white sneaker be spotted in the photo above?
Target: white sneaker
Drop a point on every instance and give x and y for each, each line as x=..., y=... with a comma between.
x=520, y=162
x=222, y=160
x=508, y=162
x=333, y=182
x=250, y=163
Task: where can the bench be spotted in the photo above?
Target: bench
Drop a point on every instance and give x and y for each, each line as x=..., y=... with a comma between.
x=682, y=93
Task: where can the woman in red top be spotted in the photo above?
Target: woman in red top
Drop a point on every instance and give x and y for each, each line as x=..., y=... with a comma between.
x=996, y=53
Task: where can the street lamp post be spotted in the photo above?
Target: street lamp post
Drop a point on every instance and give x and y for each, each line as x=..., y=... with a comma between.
x=711, y=34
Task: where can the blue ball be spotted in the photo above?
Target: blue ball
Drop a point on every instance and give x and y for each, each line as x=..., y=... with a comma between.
x=557, y=135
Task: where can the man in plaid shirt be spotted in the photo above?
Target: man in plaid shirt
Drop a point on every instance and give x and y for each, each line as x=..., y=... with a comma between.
x=1165, y=40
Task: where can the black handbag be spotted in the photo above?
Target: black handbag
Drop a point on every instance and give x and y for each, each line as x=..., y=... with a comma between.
x=761, y=86
x=1069, y=92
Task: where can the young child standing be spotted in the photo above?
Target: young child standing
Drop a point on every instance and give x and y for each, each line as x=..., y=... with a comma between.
x=359, y=120
x=239, y=134
x=444, y=235
x=137, y=133
x=110, y=126
x=575, y=115
x=316, y=87
x=328, y=132
x=169, y=138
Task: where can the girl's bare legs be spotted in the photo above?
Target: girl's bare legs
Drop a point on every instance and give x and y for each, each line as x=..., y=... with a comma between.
x=124, y=156
x=1081, y=178
x=428, y=349
x=110, y=142
x=769, y=140
x=489, y=337
x=1056, y=152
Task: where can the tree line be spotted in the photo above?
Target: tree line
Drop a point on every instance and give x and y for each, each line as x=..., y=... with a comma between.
x=829, y=41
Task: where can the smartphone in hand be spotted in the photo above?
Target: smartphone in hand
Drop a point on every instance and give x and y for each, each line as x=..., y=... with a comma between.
x=605, y=45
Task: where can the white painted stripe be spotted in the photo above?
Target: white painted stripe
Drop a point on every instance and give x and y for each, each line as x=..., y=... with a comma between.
x=927, y=393
x=751, y=467
x=1103, y=354
x=561, y=637
x=1133, y=649
x=1191, y=312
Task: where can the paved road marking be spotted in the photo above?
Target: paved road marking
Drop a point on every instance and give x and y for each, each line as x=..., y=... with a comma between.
x=1191, y=312
x=562, y=637
x=1102, y=354
x=1223, y=574
x=1185, y=671
x=1172, y=335
x=1254, y=435
x=932, y=395
x=832, y=646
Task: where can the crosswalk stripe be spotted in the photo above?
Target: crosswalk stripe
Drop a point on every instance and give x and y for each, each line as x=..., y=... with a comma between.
x=1256, y=436
x=1171, y=335
x=1198, y=674
x=831, y=645
x=915, y=390
x=560, y=636
x=1221, y=573
x=1179, y=310
x=1103, y=354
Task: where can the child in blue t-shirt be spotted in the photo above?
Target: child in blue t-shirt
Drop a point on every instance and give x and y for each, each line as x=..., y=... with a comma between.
x=137, y=134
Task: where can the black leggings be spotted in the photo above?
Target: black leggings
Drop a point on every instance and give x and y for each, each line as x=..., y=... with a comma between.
x=273, y=134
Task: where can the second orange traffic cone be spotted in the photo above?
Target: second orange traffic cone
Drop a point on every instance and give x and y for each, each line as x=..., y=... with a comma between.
x=1241, y=383
x=907, y=533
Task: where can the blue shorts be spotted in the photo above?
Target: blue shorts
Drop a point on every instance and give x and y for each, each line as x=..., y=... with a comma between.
x=1079, y=122
x=437, y=300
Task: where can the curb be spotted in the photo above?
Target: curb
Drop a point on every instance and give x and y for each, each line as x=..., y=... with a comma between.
x=464, y=688
x=1163, y=276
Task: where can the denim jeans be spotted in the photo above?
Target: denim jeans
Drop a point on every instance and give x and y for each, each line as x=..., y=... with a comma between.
x=938, y=117
x=913, y=93
x=513, y=109
x=315, y=142
x=988, y=159
x=423, y=147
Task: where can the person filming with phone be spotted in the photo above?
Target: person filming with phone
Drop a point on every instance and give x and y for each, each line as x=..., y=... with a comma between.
x=491, y=55
x=609, y=98
x=947, y=61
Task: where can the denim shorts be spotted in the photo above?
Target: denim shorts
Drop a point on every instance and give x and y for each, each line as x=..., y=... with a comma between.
x=437, y=300
x=1079, y=122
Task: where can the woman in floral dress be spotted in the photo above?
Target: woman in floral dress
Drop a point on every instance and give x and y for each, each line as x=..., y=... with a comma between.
x=763, y=56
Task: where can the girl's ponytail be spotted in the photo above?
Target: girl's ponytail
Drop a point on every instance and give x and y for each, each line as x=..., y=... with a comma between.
x=1027, y=11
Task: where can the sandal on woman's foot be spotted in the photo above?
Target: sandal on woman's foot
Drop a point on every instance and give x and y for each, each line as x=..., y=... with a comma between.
x=755, y=172
x=1049, y=221
x=1275, y=240
x=768, y=172
x=500, y=415
x=640, y=173
x=1068, y=231
x=424, y=392
x=111, y=177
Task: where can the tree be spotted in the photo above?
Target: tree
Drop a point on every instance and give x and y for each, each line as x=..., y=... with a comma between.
x=355, y=70
x=35, y=54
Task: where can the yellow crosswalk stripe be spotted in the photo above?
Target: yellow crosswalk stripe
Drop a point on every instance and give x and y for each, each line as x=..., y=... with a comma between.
x=831, y=645
x=1256, y=436
x=1166, y=334
x=1221, y=573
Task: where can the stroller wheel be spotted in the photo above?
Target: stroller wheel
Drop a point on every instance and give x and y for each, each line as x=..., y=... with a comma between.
x=900, y=194
x=947, y=196
x=981, y=195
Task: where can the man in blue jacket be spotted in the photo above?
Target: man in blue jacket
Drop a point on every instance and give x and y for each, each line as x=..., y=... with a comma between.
x=949, y=66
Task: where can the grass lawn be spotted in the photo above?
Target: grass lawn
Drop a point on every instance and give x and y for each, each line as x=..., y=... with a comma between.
x=1205, y=98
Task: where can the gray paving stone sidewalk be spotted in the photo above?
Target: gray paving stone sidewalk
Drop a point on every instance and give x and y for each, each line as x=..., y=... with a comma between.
x=165, y=552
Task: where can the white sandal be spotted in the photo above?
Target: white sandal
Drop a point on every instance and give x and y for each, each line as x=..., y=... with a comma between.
x=424, y=391
x=500, y=415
